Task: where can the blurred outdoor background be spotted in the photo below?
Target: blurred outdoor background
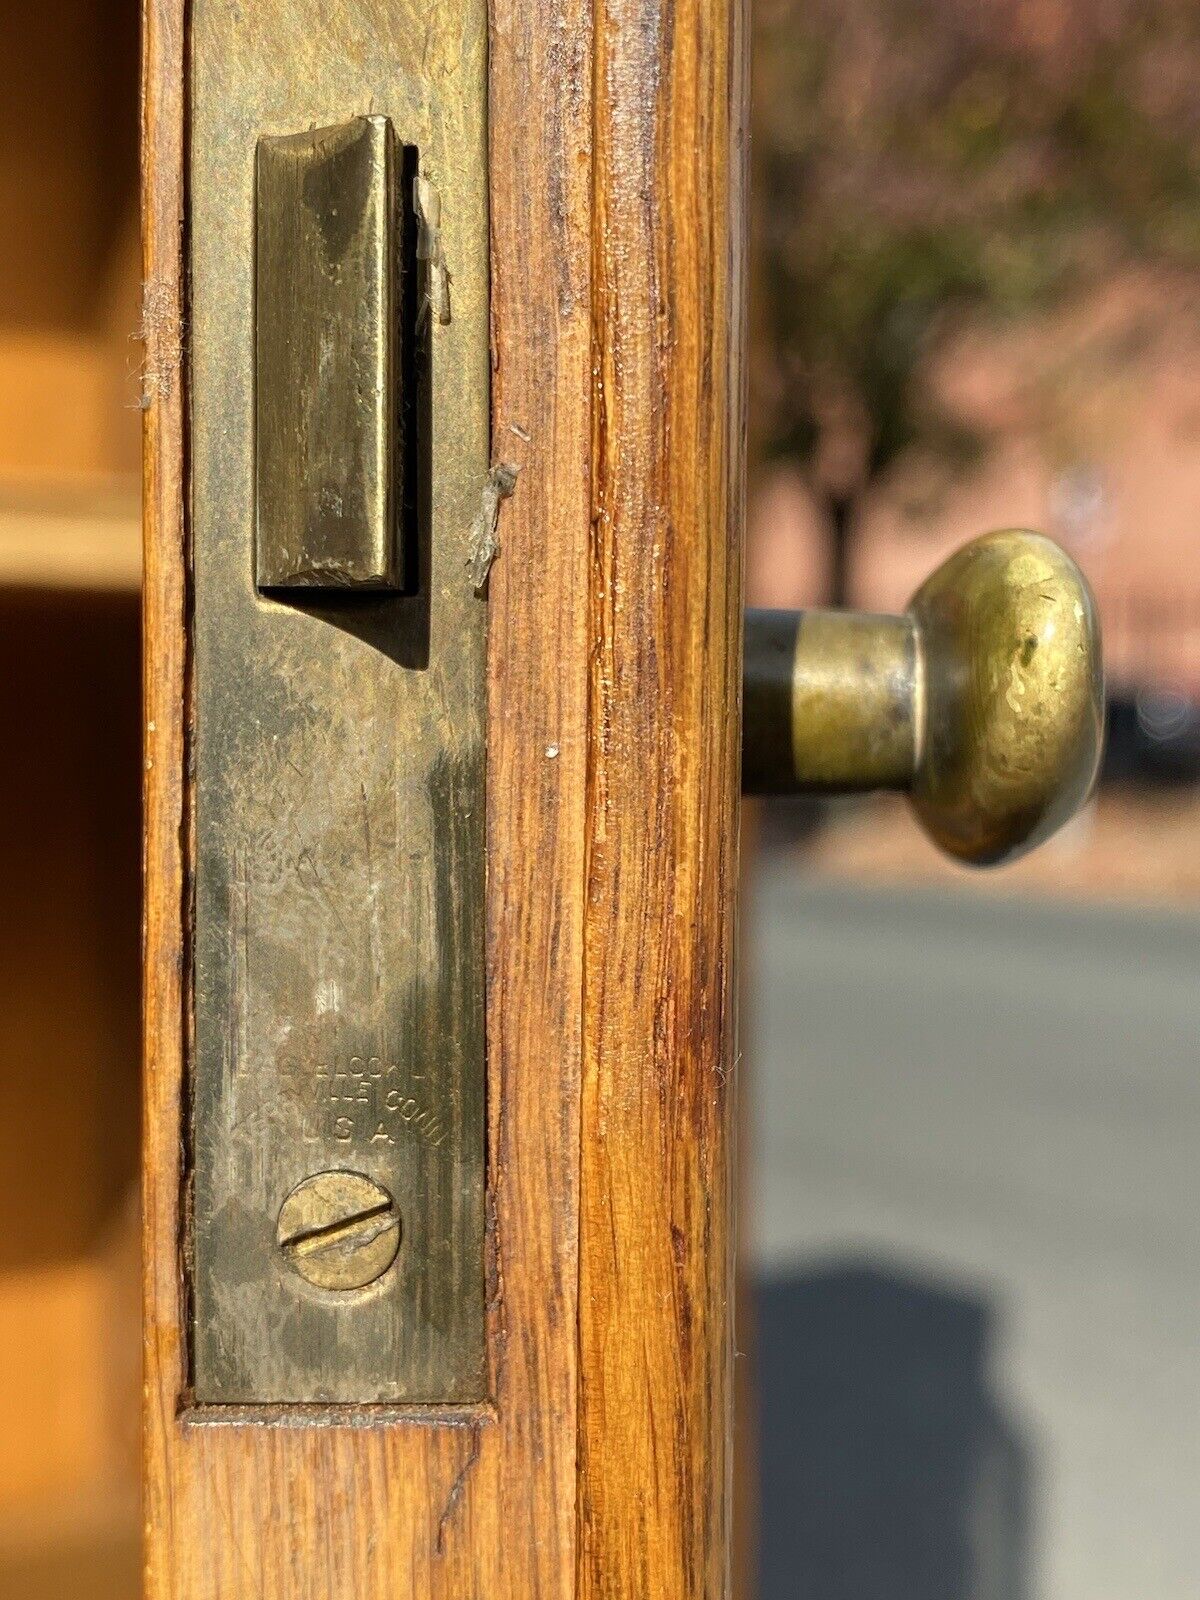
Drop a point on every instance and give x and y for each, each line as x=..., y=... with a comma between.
x=973, y=1107
x=973, y=1100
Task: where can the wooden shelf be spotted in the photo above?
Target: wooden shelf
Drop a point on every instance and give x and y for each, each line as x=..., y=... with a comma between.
x=70, y=535
x=84, y=1543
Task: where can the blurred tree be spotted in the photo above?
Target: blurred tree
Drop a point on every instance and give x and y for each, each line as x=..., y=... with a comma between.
x=919, y=162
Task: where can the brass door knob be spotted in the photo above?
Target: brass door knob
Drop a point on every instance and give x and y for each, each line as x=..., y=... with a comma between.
x=985, y=700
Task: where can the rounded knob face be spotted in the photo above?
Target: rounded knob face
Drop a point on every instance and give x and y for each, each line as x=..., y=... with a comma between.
x=1011, y=719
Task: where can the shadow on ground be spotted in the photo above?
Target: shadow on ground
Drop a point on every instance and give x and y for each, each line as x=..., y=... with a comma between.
x=888, y=1469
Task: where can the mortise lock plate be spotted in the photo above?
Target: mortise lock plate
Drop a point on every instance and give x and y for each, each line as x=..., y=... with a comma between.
x=339, y=446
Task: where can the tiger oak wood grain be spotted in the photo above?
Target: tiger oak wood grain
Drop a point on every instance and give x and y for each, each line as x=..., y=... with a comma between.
x=602, y=1466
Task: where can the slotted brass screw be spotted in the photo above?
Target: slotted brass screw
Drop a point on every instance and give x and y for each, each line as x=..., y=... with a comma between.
x=339, y=1230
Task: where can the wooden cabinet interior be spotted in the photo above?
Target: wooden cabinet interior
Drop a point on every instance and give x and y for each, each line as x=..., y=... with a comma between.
x=70, y=380
x=69, y=869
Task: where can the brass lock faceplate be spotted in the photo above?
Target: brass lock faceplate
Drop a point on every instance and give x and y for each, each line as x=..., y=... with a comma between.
x=337, y=1130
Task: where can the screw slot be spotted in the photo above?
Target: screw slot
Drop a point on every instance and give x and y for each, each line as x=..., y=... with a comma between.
x=339, y=1230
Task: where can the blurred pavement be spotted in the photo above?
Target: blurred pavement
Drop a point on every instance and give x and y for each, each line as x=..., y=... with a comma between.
x=974, y=1183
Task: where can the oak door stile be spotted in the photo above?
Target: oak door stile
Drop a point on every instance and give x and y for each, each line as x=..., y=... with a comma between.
x=596, y=1467
x=370, y=1502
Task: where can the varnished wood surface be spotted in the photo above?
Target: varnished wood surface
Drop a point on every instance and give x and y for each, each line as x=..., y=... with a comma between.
x=658, y=1106
x=612, y=756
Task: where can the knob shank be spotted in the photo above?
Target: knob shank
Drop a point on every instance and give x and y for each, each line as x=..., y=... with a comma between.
x=829, y=704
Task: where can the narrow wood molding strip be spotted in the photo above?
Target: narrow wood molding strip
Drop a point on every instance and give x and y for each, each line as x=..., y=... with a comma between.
x=665, y=593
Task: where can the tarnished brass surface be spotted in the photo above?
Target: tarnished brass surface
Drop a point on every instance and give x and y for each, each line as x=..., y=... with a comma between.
x=338, y=753
x=326, y=307
x=339, y=1230
x=985, y=700
x=1013, y=718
